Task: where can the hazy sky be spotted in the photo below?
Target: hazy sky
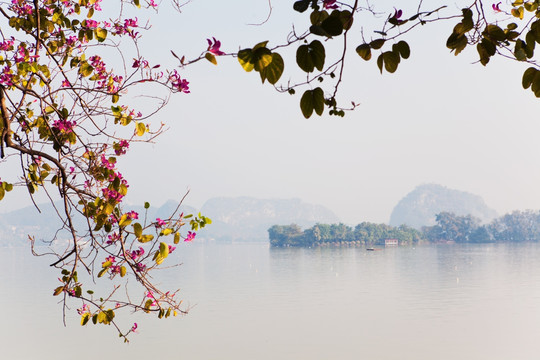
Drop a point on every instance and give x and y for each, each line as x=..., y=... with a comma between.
x=439, y=119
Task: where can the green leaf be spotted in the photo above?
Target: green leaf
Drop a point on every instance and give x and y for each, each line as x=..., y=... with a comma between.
x=318, y=100
x=2, y=193
x=518, y=12
x=364, y=51
x=58, y=291
x=262, y=58
x=403, y=49
x=377, y=44
x=312, y=100
x=260, y=45
x=245, y=59
x=309, y=57
x=115, y=98
x=176, y=237
x=456, y=42
x=274, y=70
x=380, y=62
x=346, y=19
x=146, y=238
x=166, y=232
x=303, y=59
x=123, y=271
x=101, y=34
x=124, y=221
x=332, y=26
x=210, y=57
x=146, y=205
x=301, y=6
x=512, y=26
x=85, y=69
x=137, y=229
x=102, y=272
x=391, y=61
x=494, y=33
x=306, y=104
x=528, y=77
x=318, y=54
x=535, y=86
x=84, y=319
x=141, y=129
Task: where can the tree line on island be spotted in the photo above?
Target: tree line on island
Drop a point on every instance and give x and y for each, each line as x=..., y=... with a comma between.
x=518, y=226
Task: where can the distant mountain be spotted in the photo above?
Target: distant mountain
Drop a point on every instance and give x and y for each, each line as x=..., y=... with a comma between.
x=15, y=226
x=419, y=207
x=241, y=218
x=248, y=219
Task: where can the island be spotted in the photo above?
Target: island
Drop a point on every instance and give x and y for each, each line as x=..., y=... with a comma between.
x=518, y=226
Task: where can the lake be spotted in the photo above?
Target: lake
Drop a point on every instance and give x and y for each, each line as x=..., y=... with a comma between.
x=255, y=302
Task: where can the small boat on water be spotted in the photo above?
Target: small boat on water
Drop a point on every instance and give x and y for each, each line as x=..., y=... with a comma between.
x=373, y=249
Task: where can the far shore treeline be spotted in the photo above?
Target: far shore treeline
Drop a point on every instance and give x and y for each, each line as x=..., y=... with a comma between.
x=518, y=226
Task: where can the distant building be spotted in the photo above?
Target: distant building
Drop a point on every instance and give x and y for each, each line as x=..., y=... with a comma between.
x=391, y=242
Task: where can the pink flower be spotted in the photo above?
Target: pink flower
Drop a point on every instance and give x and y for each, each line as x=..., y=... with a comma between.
x=213, y=47
x=91, y=24
x=64, y=126
x=330, y=4
x=190, y=236
x=135, y=254
x=153, y=4
x=171, y=248
x=121, y=147
x=108, y=163
x=134, y=327
x=496, y=7
x=178, y=84
x=160, y=223
x=396, y=18
x=114, y=237
x=133, y=215
x=139, y=63
x=140, y=267
x=83, y=309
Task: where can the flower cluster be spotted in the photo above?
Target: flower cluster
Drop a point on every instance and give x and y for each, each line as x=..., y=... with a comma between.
x=114, y=237
x=140, y=267
x=21, y=7
x=83, y=310
x=160, y=223
x=64, y=126
x=136, y=254
x=108, y=163
x=178, y=84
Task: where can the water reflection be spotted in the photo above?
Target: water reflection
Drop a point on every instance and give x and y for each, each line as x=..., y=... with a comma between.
x=252, y=302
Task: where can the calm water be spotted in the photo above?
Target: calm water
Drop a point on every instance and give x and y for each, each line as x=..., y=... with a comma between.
x=252, y=302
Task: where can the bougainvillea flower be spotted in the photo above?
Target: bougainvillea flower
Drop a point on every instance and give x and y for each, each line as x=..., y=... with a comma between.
x=171, y=248
x=213, y=47
x=330, y=4
x=496, y=7
x=190, y=236
x=140, y=267
x=160, y=223
x=396, y=18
